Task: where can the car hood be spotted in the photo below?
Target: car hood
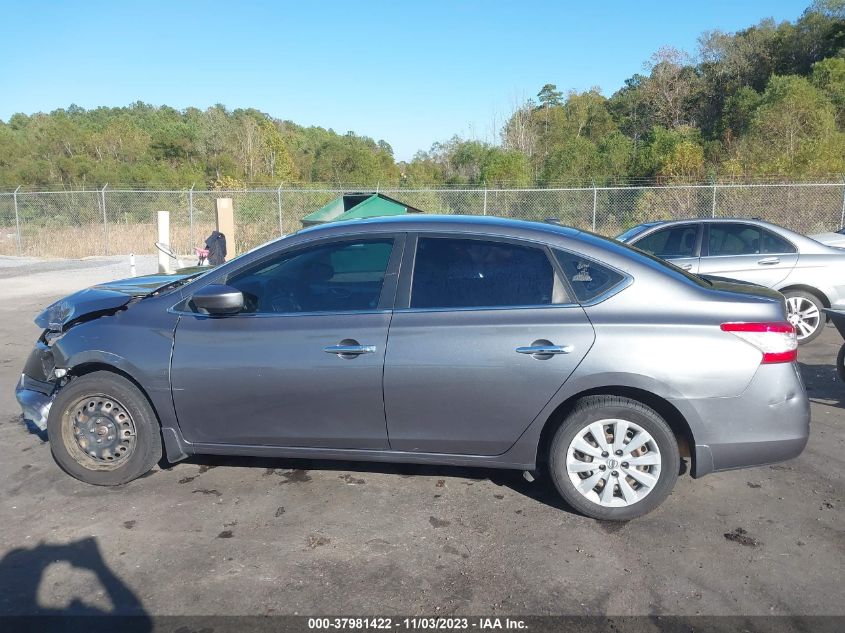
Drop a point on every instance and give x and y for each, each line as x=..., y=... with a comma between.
x=103, y=299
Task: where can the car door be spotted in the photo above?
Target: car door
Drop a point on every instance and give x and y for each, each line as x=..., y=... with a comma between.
x=302, y=364
x=678, y=243
x=487, y=332
x=747, y=252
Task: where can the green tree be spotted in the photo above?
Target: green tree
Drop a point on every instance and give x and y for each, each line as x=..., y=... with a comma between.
x=793, y=131
x=549, y=96
x=829, y=77
x=505, y=167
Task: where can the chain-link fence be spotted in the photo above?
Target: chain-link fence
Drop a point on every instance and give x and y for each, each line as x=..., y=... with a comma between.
x=119, y=221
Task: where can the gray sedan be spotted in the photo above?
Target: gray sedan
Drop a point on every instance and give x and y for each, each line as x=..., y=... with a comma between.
x=439, y=340
x=810, y=275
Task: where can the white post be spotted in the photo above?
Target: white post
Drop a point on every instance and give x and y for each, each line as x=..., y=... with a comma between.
x=595, y=204
x=164, y=262
x=190, y=215
x=105, y=221
x=131, y=264
x=279, y=198
x=713, y=204
x=841, y=217
x=18, y=222
x=485, y=199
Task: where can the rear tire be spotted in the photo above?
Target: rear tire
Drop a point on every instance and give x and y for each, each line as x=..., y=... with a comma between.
x=637, y=455
x=103, y=431
x=804, y=311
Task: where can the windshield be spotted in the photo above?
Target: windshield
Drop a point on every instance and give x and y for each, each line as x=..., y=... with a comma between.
x=631, y=233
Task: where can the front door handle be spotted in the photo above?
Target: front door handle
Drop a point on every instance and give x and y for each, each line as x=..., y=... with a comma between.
x=544, y=350
x=686, y=266
x=768, y=261
x=344, y=350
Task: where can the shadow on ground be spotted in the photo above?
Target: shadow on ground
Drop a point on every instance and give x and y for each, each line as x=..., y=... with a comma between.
x=22, y=572
x=823, y=384
x=541, y=489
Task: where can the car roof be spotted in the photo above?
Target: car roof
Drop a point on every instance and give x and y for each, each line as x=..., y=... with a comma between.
x=710, y=220
x=450, y=223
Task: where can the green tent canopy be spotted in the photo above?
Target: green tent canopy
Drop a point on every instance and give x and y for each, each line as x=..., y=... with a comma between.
x=355, y=206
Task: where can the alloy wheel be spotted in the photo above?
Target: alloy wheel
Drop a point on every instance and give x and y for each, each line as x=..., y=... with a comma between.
x=804, y=315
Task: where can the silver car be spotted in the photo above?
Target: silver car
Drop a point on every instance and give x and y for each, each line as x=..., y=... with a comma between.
x=426, y=339
x=836, y=239
x=809, y=274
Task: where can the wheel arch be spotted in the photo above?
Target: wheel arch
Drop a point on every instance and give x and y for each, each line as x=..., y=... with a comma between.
x=90, y=367
x=665, y=409
x=809, y=289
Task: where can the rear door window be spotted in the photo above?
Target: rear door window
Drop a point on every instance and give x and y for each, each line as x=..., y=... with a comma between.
x=733, y=238
x=474, y=273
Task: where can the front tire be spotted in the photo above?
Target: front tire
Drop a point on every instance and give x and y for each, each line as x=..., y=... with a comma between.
x=804, y=312
x=614, y=458
x=103, y=431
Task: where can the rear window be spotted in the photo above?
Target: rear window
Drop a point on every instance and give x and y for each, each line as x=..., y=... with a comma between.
x=587, y=278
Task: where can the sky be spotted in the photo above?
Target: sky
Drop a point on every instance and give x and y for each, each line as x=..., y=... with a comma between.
x=410, y=73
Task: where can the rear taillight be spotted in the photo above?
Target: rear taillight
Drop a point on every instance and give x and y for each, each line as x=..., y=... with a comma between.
x=776, y=341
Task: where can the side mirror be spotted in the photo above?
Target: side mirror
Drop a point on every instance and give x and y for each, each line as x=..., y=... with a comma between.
x=218, y=299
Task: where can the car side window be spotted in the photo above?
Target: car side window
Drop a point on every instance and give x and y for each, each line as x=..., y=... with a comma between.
x=473, y=273
x=674, y=241
x=732, y=238
x=587, y=278
x=336, y=277
x=776, y=245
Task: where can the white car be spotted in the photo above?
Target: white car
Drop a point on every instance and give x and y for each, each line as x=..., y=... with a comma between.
x=811, y=275
x=831, y=239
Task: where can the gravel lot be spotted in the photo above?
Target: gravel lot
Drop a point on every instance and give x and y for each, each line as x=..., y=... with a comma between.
x=253, y=536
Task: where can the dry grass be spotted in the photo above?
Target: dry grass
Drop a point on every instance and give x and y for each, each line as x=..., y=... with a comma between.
x=73, y=242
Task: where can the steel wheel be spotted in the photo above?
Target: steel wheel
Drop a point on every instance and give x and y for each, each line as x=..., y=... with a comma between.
x=803, y=314
x=99, y=432
x=613, y=462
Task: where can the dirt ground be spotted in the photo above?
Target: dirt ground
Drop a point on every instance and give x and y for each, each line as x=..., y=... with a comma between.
x=257, y=536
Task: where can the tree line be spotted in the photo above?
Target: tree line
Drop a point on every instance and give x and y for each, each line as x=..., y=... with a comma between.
x=764, y=102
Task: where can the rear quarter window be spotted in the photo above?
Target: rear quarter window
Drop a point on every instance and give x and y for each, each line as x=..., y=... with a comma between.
x=587, y=278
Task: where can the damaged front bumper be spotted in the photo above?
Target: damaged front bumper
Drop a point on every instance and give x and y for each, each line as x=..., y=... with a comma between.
x=36, y=398
x=38, y=385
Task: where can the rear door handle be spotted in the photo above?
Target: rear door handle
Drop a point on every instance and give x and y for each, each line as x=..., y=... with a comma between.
x=350, y=350
x=544, y=350
x=768, y=261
